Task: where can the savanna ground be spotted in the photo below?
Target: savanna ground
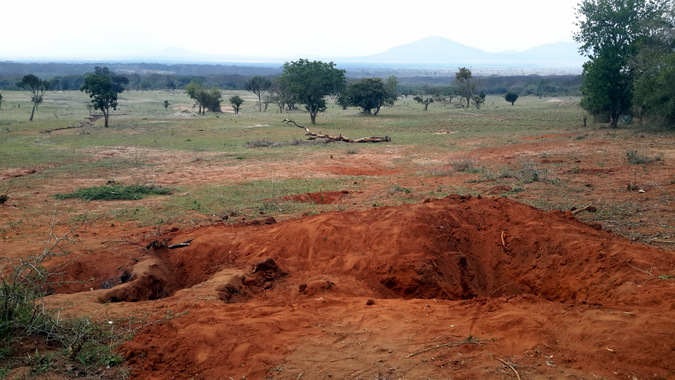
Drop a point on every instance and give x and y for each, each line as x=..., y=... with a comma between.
x=501, y=243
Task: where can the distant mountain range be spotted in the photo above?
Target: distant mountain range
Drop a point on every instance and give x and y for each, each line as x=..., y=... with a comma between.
x=439, y=50
x=431, y=52
x=429, y=56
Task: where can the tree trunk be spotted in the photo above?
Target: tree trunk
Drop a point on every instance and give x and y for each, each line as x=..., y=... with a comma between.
x=312, y=117
x=32, y=112
x=613, y=122
x=106, y=113
x=614, y=119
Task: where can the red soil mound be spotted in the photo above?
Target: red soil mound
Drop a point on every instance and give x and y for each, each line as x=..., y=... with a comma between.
x=277, y=296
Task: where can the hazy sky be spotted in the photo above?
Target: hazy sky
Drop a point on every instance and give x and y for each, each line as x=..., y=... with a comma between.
x=293, y=28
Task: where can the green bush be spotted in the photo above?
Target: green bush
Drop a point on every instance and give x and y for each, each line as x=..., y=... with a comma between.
x=115, y=192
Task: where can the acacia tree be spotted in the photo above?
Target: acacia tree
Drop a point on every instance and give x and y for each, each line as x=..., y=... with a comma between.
x=310, y=82
x=258, y=85
x=425, y=101
x=479, y=100
x=611, y=33
x=195, y=91
x=103, y=86
x=37, y=88
x=204, y=99
x=391, y=89
x=280, y=95
x=367, y=94
x=236, y=102
x=466, y=85
x=511, y=97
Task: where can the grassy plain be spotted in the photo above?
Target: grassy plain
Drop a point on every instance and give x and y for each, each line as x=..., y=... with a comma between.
x=236, y=167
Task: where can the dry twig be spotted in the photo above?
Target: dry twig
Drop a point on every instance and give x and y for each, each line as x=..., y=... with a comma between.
x=510, y=366
x=582, y=209
x=469, y=340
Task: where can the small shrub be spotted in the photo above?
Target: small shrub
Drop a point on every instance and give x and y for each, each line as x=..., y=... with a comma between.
x=115, y=192
x=531, y=172
x=464, y=164
x=260, y=144
x=500, y=173
x=635, y=158
x=398, y=188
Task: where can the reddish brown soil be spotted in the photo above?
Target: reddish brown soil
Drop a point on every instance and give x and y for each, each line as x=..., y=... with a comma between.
x=324, y=197
x=461, y=287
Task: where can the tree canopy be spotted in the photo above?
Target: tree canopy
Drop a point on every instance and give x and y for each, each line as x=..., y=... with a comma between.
x=204, y=99
x=466, y=84
x=369, y=94
x=103, y=86
x=426, y=101
x=612, y=33
x=236, y=102
x=37, y=88
x=310, y=82
x=258, y=85
x=511, y=97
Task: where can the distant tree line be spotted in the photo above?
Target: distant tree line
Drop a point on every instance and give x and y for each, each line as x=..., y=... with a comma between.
x=64, y=77
x=138, y=82
x=534, y=85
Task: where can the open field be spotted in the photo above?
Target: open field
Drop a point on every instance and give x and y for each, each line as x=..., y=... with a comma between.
x=460, y=249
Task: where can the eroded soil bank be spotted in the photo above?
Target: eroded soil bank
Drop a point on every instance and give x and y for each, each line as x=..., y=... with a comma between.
x=459, y=287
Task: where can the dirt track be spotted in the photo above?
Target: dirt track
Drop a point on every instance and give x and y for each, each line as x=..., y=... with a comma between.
x=460, y=287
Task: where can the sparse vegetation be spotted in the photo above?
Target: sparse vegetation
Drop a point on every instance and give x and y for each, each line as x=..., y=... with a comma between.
x=79, y=341
x=464, y=164
x=636, y=158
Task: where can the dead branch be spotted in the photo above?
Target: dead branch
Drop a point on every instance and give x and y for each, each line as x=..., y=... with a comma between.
x=469, y=340
x=329, y=138
x=590, y=208
x=649, y=272
x=33, y=264
x=510, y=366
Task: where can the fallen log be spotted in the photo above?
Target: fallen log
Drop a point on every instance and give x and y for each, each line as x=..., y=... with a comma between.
x=329, y=138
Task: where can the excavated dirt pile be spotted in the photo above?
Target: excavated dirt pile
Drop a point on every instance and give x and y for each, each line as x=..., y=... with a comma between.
x=356, y=294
